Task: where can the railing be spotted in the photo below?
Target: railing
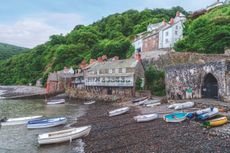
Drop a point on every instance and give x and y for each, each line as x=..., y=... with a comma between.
x=111, y=84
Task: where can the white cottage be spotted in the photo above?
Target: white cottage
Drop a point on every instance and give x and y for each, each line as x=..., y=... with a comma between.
x=114, y=77
x=214, y=5
x=173, y=32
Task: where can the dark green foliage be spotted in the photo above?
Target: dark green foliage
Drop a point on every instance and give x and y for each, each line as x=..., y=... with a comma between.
x=209, y=33
x=138, y=84
x=111, y=36
x=6, y=50
x=154, y=81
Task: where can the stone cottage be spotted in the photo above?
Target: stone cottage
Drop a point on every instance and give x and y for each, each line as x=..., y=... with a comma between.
x=207, y=80
x=114, y=77
x=58, y=81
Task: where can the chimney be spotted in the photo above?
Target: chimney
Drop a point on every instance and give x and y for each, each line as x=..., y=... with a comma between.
x=177, y=14
x=99, y=59
x=66, y=69
x=91, y=61
x=115, y=58
x=171, y=21
x=138, y=57
x=164, y=22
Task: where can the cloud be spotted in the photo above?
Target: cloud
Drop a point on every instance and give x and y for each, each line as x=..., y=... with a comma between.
x=34, y=30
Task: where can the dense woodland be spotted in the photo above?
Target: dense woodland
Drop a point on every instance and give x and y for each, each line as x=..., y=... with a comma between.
x=7, y=51
x=111, y=35
x=209, y=33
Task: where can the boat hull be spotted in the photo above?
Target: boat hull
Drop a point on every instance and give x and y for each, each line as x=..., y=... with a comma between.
x=146, y=118
x=55, y=102
x=89, y=103
x=216, y=122
x=69, y=136
x=18, y=121
x=175, y=117
x=47, y=124
x=119, y=111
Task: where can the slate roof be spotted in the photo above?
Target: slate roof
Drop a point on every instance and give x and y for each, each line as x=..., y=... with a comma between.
x=113, y=64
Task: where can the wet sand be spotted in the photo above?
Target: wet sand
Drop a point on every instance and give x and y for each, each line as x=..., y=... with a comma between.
x=121, y=134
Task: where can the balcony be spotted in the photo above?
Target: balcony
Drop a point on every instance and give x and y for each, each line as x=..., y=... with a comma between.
x=126, y=83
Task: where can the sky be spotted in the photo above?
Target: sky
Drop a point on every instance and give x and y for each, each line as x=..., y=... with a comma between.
x=28, y=23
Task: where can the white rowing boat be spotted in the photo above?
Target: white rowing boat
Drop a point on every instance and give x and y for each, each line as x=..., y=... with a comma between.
x=18, y=121
x=146, y=118
x=63, y=135
x=141, y=102
x=89, y=102
x=56, y=101
x=119, y=111
x=185, y=105
x=152, y=105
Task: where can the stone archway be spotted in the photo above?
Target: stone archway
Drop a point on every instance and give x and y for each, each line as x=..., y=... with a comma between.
x=210, y=87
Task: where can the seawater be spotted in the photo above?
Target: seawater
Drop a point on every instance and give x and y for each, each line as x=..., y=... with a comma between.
x=18, y=139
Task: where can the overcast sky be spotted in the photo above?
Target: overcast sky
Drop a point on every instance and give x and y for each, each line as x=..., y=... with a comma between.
x=28, y=23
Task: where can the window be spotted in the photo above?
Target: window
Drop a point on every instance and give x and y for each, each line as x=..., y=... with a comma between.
x=110, y=71
x=175, y=32
x=166, y=40
x=167, y=33
x=176, y=27
x=120, y=70
x=123, y=70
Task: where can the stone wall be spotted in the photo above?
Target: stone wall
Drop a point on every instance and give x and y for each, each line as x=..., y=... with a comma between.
x=150, y=43
x=86, y=95
x=180, y=78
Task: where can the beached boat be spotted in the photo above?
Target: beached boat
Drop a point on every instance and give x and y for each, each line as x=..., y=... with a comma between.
x=146, y=118
x=216, y=122
x=172, y=106
x=152, y=105
x=46, y=122
x=203, y=111
x=141, y=102
x=63, y=135
x=175, y=117
x=56, y=101
x=208, y=115
x=139, y=99
x=17, y=121
x=184, y=105
x=89, y=102
x=152, y=101
x=119, y=111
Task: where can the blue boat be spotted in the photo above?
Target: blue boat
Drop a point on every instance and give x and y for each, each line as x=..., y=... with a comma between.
x=175, y=117
x=46, y=122
x=214, y=111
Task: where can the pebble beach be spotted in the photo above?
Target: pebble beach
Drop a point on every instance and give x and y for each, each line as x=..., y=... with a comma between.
x=121, y=134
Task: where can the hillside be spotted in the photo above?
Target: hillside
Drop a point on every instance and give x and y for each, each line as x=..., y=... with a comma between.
x=209, y=33
x=111, y=36
x=6, y=50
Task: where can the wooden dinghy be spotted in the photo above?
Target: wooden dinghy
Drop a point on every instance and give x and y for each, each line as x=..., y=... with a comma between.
x=63, y=135
x=46, y=122
x=17, y=121
x=175, y=117
x=89, y=102
x=208, y=115
x=146, y=118
x=139, y=99
x=118, y=111
x=56, y=101
x=216, y=122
